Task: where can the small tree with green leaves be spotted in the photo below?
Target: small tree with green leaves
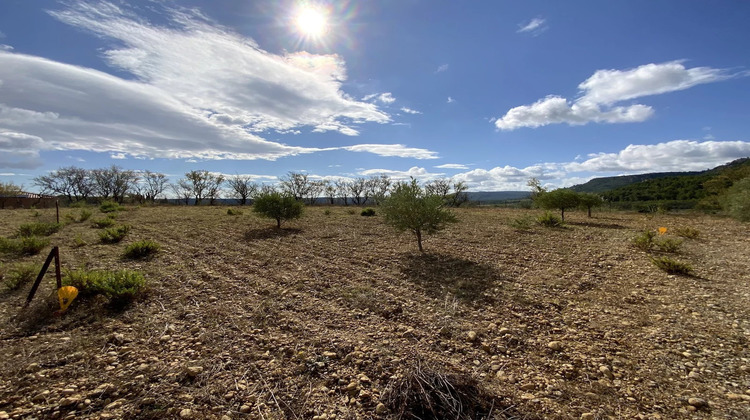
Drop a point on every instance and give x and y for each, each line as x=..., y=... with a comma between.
x=562, y=199
x=409, y=207
x=589, y=201
x=275, y=205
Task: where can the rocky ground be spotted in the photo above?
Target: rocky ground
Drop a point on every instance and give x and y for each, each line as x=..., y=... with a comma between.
x=338, y=317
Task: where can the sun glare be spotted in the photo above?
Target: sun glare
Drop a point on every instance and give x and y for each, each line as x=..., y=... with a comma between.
x=311, y=21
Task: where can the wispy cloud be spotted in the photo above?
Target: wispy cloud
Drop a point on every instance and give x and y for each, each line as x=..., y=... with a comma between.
x=535, y=26
x=441, y=68
x=452, y=166
x=395, y=150
x=416, y=172
x=385, y=98
x=410, y=111
x=450, y=100
x=600, y=92
x=198, y=90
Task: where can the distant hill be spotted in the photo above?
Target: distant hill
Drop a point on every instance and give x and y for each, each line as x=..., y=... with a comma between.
x=598, y=185
x=674, y=189
x=487, y=197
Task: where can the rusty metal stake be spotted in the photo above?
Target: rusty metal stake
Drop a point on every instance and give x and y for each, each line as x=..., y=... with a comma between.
x=54, y=253
x=57, y=210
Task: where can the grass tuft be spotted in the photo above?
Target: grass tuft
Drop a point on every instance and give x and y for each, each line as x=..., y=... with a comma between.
x=110, y=206
x=114, y=235
x=688, y=232
x=29, y=245
x=549, y=220
x=141, y=250
x=233, y=212
x=121, y=286
x=368, y=212
x=672, y=266
x=104, y=223
x=522, y=223
x=38, y=229
x=18, y=275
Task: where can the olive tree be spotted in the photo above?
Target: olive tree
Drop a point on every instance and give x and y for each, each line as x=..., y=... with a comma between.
x=589, y=201
x=410, y=207
x=275, y=205
x=561, y=198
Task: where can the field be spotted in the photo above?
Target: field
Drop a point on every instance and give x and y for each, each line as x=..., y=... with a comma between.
x=338, y=316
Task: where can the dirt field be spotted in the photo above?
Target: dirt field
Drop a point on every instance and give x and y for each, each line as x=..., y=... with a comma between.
x=337, y=316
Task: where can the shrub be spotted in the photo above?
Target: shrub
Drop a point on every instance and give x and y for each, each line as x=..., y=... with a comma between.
x=274, y=205
x=351, y=211
x=688, y=232
x=367, y=212
x=19, y=275
x=549, y=220
x=27, y=245
x=78, y=204
x=78, y=241
x=410, y=207
x=39, y=229
x=668, y=245
x=672, y=266
x=645, y=240
x=114, y=235
x=233, y=212
x=142, y=249
x=85, y=215
x=120, y=286
x=327, y=212
x=522, y=223
x=110, y=206
x=104, y=223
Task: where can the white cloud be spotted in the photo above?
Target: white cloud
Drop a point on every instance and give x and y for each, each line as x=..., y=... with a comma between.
x=410, y=111
x=117, y=156
x=451, y=100
x=441, y=68
x=5, y=47
x=605, y=88
x=452, y=166
x=672, y=156
x=396, y=150
x=676, y=155
x=414, y=172
x=199, y=91
x=386, y=98
x=534, y=26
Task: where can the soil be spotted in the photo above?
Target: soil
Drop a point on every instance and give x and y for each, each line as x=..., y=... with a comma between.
x=338, y=316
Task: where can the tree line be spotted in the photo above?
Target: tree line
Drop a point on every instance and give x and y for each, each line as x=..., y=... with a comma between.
x=202, y=186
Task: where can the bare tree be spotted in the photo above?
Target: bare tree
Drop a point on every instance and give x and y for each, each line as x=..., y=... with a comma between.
x=153, y=185
x=204, y=184
x=242, y=187
x=183, y=190
x=329, y=188
x=266, y=189
x=72, y=182
x=357, y=188
x=342, y=189
x=380, y=186
x=459, y=195
x=296, y=184
x=113, y=182
x=315, y=188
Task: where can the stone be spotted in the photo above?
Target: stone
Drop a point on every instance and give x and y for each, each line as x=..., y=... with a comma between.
x=330, y=354
x=186, y=413
x=244, y=409
x=193, y=371
x=527, y=387
x=148, y=401
x=555, y=345
x=587, y=416
x=604, y=370
x=4, y=415
x=502, y=331
x=527, y=396
x=380, y=409
x=471, y=336
x=697, y=402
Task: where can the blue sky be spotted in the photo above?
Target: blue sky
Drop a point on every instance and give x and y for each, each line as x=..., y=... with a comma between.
x=487, y=92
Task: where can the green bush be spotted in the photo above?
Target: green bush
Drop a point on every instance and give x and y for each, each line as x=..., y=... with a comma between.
x=120, y=286
x=110, y=206
x=522, y=223
x=142, y=249
x=274, y=205
x=19, y=275
x=78, y=241
x=644, y=240
x=672, y=266
x=104, y=223
x=233, y=212
x=85, y=215
x=668, y=245
x=367, y=212
x=549, y=220
x=27, y=245
x=38, y=229
x=688, y=232
x=114, y=235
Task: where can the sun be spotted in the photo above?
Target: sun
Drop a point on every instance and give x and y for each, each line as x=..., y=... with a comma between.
x=311, y=21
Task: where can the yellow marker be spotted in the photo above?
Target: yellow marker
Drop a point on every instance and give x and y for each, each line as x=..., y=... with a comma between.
x=662, y=230
x=66, y=295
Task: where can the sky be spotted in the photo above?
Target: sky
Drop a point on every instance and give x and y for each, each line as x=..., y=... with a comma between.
x=489, y=92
